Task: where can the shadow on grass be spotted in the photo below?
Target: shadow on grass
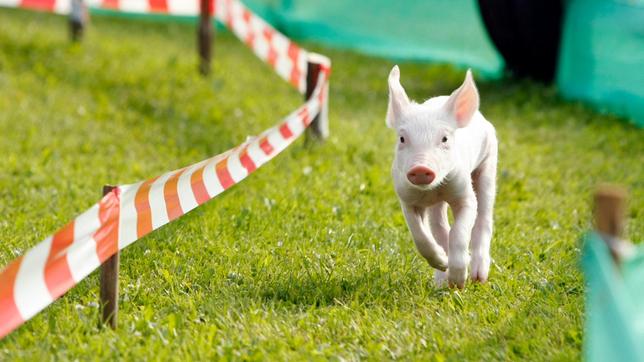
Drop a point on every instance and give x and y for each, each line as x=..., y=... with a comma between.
x=512, y=338
x=364, y=286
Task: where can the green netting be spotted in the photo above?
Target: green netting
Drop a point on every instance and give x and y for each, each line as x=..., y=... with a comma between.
x=421, y=30
x=614, y=303
x=602, y=55
x=144, y=16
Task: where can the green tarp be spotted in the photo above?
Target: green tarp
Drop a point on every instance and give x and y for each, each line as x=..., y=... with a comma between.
x=614, y=303
x=602, y=55
x=446, y=31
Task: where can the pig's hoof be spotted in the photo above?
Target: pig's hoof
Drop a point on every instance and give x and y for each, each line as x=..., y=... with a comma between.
x=456, y=277
x=440, y=278
x=480, y=268
x=439, y=261
x=439, y=264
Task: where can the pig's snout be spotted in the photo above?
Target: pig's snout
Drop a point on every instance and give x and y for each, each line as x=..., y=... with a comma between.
x=420, y=175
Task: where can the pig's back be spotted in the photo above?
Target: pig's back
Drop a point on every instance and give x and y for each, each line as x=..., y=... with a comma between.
x=476, y=142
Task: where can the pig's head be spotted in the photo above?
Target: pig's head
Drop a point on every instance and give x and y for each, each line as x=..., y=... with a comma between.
x=425, y=152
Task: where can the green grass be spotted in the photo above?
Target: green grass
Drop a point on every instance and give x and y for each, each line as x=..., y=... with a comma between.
x=288, y=264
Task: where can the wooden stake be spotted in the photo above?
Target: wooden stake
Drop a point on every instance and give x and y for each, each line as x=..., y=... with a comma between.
x=110, y=283
x=77, y=19
x=610, y=206
x=205, y=36
x=319, y=127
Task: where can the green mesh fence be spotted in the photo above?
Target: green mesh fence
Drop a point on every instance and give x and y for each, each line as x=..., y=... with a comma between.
x=445, y=31
x=614, y=303
x=602, y=55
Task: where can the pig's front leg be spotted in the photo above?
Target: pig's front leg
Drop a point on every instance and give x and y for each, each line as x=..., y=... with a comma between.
x=439, y=226
x=424, y=241
x=459, y=238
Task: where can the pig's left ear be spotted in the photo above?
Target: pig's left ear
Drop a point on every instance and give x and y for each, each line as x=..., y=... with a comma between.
x=464, y=102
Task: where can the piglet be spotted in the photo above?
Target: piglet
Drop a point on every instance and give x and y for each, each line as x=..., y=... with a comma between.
x=446, y=155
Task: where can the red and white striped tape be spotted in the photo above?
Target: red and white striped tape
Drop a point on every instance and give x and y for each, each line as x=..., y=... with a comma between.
x=286, y=58
x=34, y=280
x=170, y=7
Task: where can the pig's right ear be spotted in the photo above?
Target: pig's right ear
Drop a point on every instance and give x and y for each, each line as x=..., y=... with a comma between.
x=398, y=99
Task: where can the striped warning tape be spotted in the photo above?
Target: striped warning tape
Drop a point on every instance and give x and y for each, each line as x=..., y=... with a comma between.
x=286, y=58
x=170, y=7
x=129, y=212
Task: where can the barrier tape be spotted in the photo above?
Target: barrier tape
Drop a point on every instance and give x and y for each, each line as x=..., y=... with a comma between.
x=33, y=281
x=170, y=7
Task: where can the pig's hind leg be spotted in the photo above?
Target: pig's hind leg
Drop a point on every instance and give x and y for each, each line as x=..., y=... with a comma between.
x=439, y=226
x=484, y=181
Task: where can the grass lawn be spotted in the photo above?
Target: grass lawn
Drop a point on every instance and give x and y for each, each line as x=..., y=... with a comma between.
x=310, y=257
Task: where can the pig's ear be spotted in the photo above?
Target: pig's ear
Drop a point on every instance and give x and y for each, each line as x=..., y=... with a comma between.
x=464, y=102
x=398, y=99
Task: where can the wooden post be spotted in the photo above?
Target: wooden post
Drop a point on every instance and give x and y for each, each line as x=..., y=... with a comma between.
x=110, y=284
x=78, y=18
x=610, y=202
x=205, y=36
x=319, y=127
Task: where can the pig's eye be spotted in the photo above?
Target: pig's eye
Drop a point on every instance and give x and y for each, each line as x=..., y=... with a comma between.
x=444, y=139
x=402, y=139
